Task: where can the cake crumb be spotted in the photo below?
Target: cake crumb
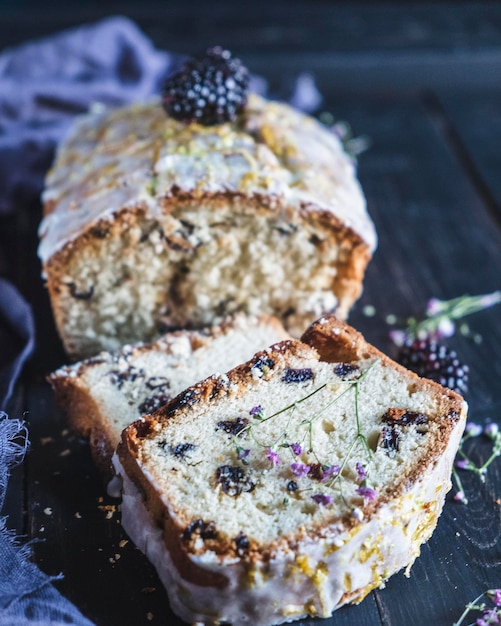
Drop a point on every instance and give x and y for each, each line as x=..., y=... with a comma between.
x=149, y=616
x=48, y=511
x=122, y=543
x=110, y=509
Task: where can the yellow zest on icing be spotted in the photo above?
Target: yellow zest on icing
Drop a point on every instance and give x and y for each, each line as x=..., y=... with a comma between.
x=255, y=578
x=321, y=574
x=370, y=547
x=291, y=610
x=304, y=565
x=310, y=607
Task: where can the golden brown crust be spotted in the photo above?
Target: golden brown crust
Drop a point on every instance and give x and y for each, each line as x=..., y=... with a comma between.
x=85, y=418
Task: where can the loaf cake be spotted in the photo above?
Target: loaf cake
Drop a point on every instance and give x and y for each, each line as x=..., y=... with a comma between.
x=153, y=224
x=293, y=484
x=104, y=394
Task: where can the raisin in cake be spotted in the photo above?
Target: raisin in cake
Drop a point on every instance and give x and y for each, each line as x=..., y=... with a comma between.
x=104, y=394
x=293, y=484
x=153, y=223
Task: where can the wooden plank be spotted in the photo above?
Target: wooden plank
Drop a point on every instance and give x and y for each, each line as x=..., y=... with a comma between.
x=473, y=125
x=281, y=25
x=371, y=45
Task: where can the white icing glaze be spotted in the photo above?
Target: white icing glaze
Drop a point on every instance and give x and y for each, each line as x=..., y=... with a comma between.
x=136, y=155
x=312, y=576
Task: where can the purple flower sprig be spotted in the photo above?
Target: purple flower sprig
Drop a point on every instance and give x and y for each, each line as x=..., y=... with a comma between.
x=327, y=471
x=273, y=456
x=304, y=445
x=322, y=499
x=361, y=471
x=242, y=454
x=368, y=493
x=257, y=412
x=296, y=448
x=465, y=463
x=300, y=469
x=490, y=614
x=441, y=317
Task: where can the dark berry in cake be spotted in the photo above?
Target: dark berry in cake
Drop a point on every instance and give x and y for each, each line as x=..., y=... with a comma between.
x=435, y=361
x=209, y=90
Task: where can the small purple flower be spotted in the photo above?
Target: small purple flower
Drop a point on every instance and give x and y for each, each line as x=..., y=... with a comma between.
x=362, y=474
x=273, y=456
x=257, y=411
x=491, y=616
x=434, y=307
x=473, y=430
x=367, y=493
x=460, y=497
x=331, y=471
x=481, y=622
x=495, y=594
x=399, y=337
x=296, y=448
x=299, y=469
x=243, y=453
x=321, y=498
x=462, y=464
x=491, y=430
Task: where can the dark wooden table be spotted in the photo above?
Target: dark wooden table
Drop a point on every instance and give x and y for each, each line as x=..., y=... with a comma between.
x=423, y=81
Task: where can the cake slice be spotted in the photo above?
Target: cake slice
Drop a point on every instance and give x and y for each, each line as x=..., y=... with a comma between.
x=106, y=393
x=293, y=484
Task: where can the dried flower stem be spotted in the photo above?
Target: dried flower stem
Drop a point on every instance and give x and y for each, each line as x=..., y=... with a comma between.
x=332, y=473
x=440, y=316
x=490, y=615
x=471, y=606
x=473, y=431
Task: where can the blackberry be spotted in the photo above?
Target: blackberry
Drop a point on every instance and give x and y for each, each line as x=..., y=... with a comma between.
x=435, y=361
x=209, y=90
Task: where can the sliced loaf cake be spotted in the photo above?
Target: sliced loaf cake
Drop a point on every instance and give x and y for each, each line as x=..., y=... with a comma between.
x=104, y=394
x=293, y=484
x=155, y=224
